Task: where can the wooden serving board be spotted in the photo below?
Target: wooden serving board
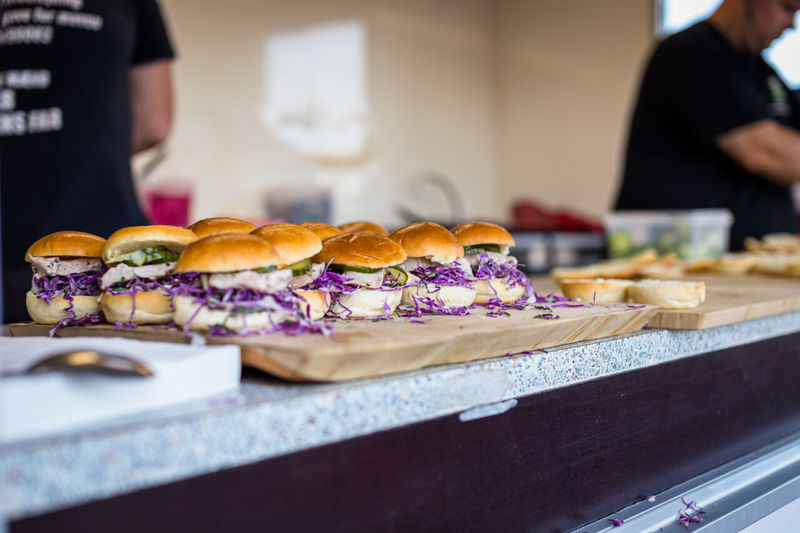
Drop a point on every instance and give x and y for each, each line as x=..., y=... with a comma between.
x=733, y=300
x=360, y=349
x=729, y=299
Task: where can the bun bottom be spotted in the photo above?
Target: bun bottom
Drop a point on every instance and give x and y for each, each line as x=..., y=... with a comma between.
x=318, y=303
x=366, y=303
x=50, y=313
x=201, y=318
x=152, y=307
x=604, y=291
x=668, y=294
x=445, y=295
x=497, y=288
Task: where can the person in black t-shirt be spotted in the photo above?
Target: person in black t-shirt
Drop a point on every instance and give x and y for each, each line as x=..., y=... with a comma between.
x=83, y=85
x=714, y=124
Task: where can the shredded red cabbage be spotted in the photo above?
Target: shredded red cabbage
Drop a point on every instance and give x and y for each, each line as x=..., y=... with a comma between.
x=425, y=305
x=78, y=284
x=452, y=276
x=332, y=282
x=498, y=308
x=86, y=283
x=72, y=320
x=616, y=521
x=685, y=516
x=244, y=301
x=488, y=269
x=169, y=284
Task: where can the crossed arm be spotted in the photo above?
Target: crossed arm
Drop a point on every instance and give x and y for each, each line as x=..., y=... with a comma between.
x=150, y=87
x=765, y=148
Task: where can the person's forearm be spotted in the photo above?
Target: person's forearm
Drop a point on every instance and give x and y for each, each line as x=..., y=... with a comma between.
x=150, y=89
x=765, y=148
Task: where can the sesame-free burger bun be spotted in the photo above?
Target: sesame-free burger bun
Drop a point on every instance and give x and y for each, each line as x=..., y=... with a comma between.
x=445, y=295
x=598, y=290
x=366, y=303
x=130, y=239
x=200, y=317
x=670, y=294
x=228, y=252
x=361, y=249
x=292, y=242
x=44, y=313
x=318, y=302
x=497, y=288
x=362, y=225
x=67, y=243
x=152, y=307
x=321, y=229
x=475, y=233
x=428, y=239
x=217, y=225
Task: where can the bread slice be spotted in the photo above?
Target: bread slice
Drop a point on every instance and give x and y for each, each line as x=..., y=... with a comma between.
x=626, y=268
x=668, y=294
x=597, y=290
x=735, y=263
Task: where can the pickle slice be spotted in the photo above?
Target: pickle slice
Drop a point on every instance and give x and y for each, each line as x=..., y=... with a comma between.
x=481, y=249
x=351, y=268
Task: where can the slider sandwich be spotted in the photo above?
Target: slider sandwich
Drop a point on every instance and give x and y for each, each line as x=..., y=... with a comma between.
x=217, y=225
x=67, y=270
x=486, y=248
x=363, y=268
x=237, y=287
x=321, y=229
x=295, y=246
x=438, y=282
x=141, y=278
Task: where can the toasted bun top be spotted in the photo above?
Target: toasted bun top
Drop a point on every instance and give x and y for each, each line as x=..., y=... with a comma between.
x=362, y=225
x=428, y=239
x=292, y=242
x=362, y=249
x=228, y=252
x=67, y=243
x=322, y=230
x=474, y=233
x=127, y=240
x=217, y=225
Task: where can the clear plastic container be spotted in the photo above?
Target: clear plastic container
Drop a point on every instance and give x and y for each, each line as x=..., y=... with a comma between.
x=692, y=234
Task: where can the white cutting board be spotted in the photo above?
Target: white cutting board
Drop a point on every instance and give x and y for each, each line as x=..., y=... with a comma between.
x=39, y=405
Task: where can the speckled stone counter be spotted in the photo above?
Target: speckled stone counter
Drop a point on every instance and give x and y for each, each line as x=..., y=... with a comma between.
x=267, y=417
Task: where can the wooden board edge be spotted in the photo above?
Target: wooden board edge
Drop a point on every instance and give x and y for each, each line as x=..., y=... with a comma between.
x=292, y=366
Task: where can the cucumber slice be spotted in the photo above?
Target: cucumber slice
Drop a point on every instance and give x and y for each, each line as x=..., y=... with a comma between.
x=481, y=249
x=351, y=268
x=153, y=255
x=299, y=268
x=264, y=270
x=398, y=274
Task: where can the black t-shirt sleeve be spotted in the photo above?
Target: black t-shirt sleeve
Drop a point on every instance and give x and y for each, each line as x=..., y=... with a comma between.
x=706, y=90
x=152, y=38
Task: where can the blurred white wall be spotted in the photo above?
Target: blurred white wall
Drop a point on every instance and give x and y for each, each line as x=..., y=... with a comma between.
x=568, y=78
x=431, y=95
x=508, y=98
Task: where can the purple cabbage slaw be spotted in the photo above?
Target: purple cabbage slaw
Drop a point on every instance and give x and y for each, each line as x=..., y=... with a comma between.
x=78, y=284
x=425, y=305
x=168, y=284
x=685, y=516
x=86, y=283
x=245, y=301
x=450, y=276
x=488, y=269
x=335, y=284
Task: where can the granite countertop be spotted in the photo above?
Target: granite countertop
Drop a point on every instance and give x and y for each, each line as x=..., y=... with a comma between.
x=267, y=417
